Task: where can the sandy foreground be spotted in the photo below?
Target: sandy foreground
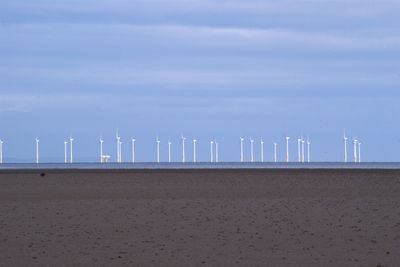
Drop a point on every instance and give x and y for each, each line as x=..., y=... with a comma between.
x=284, y=217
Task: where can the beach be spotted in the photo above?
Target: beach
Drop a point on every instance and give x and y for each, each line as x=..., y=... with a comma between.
x=200, y=217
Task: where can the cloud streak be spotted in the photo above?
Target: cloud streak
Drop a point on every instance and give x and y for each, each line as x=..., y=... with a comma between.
x=195, y=36
x=93, y=9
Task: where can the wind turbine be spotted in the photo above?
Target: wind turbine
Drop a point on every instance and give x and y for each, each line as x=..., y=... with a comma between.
x=133, y=149
x=158, y=150
x=211, y=148
x=216, y=151
x=275, y=152
x=302, y=150
x=251, y=150
x=298, y=149
x=1, y=151
x=37, y=150
x=183, y=148
x=169, y=151
x=345, y=147
x=101, y=150
x=359, y=151
x=287, y=148
x=355, y=149
x=65, y=151
x=308, y=150
x=241, y=149
x=118, y=146
x=70, y=140
x=262, y=150
x=194, y=150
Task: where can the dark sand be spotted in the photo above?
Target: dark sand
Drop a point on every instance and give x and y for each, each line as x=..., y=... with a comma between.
x=242, y=217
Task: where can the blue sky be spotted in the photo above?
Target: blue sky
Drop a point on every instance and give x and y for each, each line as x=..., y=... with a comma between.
x=205, y=69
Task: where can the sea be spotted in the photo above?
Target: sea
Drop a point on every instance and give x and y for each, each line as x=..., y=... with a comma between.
x=204, y=165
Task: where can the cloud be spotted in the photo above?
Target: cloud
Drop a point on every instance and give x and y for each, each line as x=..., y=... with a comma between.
x=197, y=36
x=93, y=9
x=189, y=80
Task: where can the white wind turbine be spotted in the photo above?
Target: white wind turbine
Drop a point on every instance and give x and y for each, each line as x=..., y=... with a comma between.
x=241, y=149
x=183, y=148
x=287, y=148
x=71, y=140
x=275, y=152
x=211, y=150
x=302, y=150
x=101, y=150
x=298, y=150
x=133, y=149
x=251, y=150
x=216, y=151
x=158, y=150
x=308, y=150
x=37, y=150
x=169, y=151
x=1, y=151
x=118, y=146
x=65, y=151
x=194, y=150
x=355, y=149
x=359, y=151
x=345, y=147
x=262, y=150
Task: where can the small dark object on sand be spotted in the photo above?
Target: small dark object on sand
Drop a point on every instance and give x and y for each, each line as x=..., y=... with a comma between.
x=42, y=174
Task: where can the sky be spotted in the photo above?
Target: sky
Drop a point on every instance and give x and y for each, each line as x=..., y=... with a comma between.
x=210, y=70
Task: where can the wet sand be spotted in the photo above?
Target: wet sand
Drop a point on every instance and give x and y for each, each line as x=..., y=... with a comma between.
x=278, y=217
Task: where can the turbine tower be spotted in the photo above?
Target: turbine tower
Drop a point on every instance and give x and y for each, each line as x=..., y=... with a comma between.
x=345, y=147
x=275, y=152
x=211, y=148
x=183, y=149
x=133, y=149
x=65, y=151
x=262, y=150
x=158, y=150
x=37, y=150
x=71, y=140
x=169, y=151
x=118, y=146
x=308, y=150
x=101, y=150
x=120, y=153
x=298, y=150
x=194, y=150
x=241, y=149
x=359, y=151
x=1, y=151
x=302, y=150
x=355, y=149
x=251, y=150
x=287, y=148
x=216, y=151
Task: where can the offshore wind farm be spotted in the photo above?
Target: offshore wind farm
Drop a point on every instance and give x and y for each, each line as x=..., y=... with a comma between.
x=303, y=154
x=199, y=133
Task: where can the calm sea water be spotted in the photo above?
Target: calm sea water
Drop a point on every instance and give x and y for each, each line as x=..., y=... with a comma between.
x=205, y=165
